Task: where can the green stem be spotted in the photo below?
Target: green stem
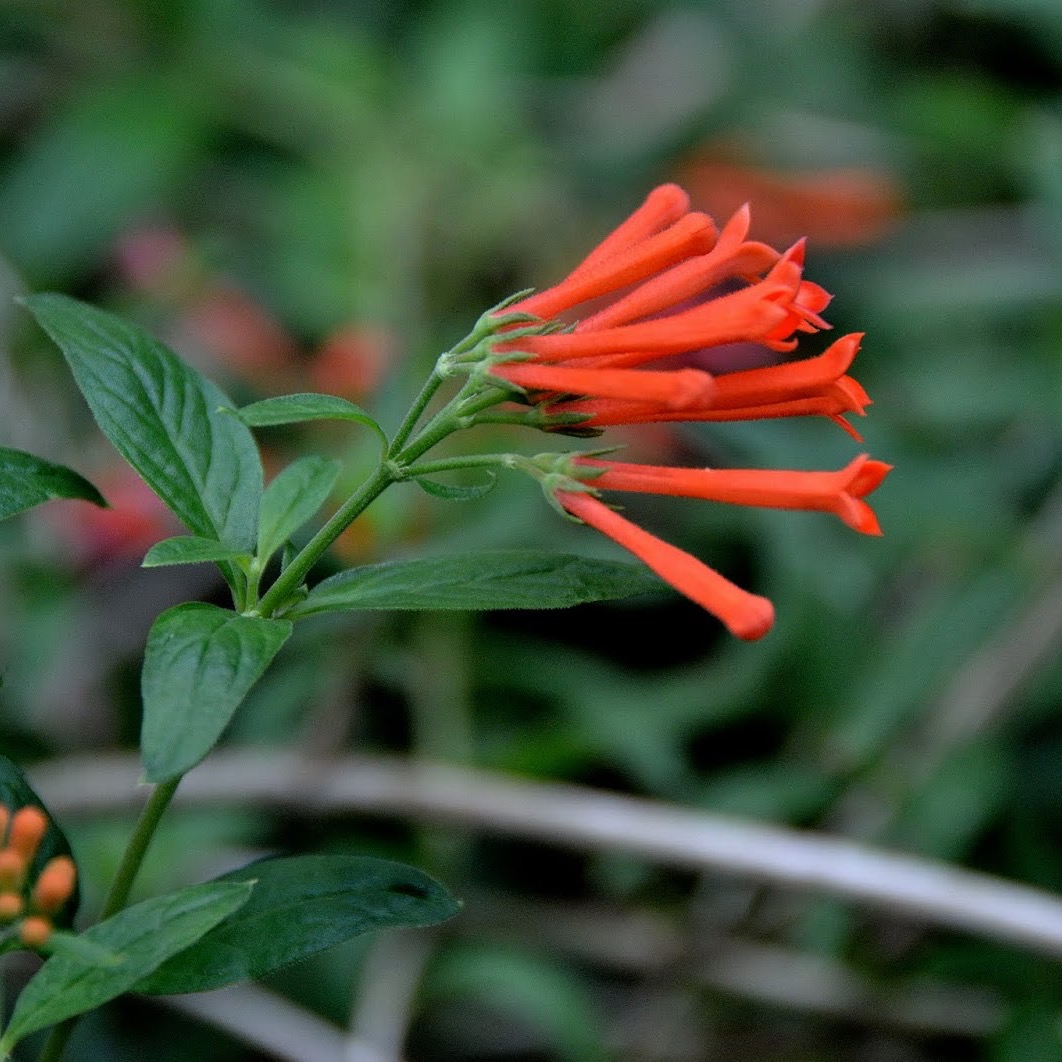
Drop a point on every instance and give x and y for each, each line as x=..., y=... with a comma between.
x=291, y=578
x=254, y=579
x=427, y=392
x=456, y=415
x=118, y=893
x=524, y=419
x=446, y=464
x=137, y=847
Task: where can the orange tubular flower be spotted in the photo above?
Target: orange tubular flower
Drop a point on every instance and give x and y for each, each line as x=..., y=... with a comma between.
x=814, y=386
x=838, y=492
x=745, y=615
x=666, y=285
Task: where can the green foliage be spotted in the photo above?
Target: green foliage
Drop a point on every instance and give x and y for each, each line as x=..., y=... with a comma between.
x=189, y=549
x=199, y=664
x=300, y=408
x=26, y=481
x=292, y=499
x=400, y=166
x=490, y=580
x=301, y=905
x=140, y=938
x=530, y=992
x=163, y=417
x=455, y=491
x=67, y=197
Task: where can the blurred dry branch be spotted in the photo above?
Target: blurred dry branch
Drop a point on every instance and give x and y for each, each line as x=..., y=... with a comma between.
x=267, y=1021
x=575, y=816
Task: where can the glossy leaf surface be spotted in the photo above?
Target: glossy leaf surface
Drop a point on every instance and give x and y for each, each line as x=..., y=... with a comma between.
x=292, y=499
x=495, y=579
x=301, y=905
x=26, y=481
x=139, y=938
x=162, y=416
x=200, y=662
x=188, y=549
x=296, y=409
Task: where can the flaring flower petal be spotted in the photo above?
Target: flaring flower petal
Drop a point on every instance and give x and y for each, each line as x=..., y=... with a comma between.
x=839, y=492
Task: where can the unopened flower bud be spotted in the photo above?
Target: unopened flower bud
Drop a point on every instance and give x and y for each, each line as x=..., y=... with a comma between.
x=35, y=931
x=55, y=884
x=10, y=906
x=12, y=869
x=28, y=827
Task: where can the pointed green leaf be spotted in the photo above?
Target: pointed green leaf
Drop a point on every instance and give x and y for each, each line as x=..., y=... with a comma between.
x=199, y=664
x=295, y=409
x=454, y=492
x=26, y=481
x=15, y=793
x=140, y=937
x=492, y=579
x=300, y=906
x=189, y=549
x=163, y=418
x=292, y=498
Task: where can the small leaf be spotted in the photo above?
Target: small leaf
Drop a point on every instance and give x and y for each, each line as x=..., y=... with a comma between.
x=15, y=793
x=26, y=481
x=162, y=417
x=301, y=905
x=292, y=498
x=141, y=937
x=199, y=664
x=488, y=580
x=452, y=492
x=188, y=549
x=296, y=409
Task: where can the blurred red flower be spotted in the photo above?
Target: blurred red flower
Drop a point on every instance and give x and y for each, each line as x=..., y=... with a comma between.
x=845, y=207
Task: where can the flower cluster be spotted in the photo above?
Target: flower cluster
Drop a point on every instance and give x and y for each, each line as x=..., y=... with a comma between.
x=29, y=906
x=673, y=287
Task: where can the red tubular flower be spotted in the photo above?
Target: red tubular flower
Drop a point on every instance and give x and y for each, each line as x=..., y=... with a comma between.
x=745, y=615
x=732, y=256
x=681, y=389
x=815, y=386
x=666, y=284
x=767, y=312
x=840, y=492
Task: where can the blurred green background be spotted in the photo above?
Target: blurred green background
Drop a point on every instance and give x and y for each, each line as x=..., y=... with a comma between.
x=322, y=196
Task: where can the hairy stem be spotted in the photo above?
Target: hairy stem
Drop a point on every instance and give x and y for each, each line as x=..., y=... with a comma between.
x=447, y=464
x=290, y=579
x=420, y=403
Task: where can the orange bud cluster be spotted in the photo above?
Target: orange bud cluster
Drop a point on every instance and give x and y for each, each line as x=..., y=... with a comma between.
x=34, y=902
